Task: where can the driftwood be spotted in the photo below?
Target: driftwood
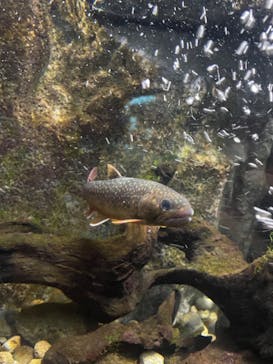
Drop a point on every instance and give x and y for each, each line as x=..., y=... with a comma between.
x=156, y=332
x=104, y=275
x=109, y=276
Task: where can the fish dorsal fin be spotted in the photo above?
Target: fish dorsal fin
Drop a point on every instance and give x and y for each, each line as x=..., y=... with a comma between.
x=92, y=175
x=112, y=172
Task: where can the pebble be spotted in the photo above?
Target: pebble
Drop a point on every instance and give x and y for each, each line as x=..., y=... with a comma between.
x=151, y=357
x=23, y=354
x=40, y=348
x=211, y=322
x=6, y=357
x=16, y=354
x=204, y=303
x=190, y=324
x=205, y=332
x=204, y=314
x=12, y=343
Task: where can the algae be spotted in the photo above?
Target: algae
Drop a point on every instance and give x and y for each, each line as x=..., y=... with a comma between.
x=67, y=97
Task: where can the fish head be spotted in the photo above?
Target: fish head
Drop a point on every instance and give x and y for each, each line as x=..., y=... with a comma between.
x=171, y=210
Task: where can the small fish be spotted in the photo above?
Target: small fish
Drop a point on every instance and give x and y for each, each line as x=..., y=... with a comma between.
x=124, y=199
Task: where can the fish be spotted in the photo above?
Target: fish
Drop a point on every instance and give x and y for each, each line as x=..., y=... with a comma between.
x=134, y=200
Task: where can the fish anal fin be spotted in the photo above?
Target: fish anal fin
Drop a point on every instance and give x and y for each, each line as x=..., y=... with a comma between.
x=92, y=174
x=126, y=221
x=112, y=172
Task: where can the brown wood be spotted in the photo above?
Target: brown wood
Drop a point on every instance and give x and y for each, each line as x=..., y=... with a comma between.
x=109, y=275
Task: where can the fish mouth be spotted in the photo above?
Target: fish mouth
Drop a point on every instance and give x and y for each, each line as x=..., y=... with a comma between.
x=178, y=218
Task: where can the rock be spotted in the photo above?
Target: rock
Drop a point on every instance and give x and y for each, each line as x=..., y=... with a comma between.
x=151, y=357
x=23, y=354
x=188, y=296
x=204, y=303
x=211, y=322
x=204, y=314
x=190, y=324
x=49, y=322
x=149, y=304
x=209, y=319
x=35, y=361
x=193, y=309
x=12, y=343
x=40, y=348
x=6, y=357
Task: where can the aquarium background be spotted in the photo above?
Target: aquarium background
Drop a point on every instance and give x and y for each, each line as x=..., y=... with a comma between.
x=180, y=92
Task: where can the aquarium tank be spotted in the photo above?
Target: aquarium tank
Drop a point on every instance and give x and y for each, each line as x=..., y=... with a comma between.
x=136, y=181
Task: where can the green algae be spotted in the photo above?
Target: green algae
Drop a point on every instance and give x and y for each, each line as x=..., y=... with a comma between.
x=201, y=176
x=217, y=265
x=261, y=262
x=81, y=77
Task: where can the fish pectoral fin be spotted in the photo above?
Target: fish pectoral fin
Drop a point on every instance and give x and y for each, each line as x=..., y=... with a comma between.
x=125, y=221
x=112, y=172
x=97, y=219
x=97, y=223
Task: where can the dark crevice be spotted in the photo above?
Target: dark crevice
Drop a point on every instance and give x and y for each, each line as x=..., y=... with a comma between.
x=180, y=239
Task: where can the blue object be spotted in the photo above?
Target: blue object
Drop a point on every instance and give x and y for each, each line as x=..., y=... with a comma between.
x=140, y=100
x=133, y=122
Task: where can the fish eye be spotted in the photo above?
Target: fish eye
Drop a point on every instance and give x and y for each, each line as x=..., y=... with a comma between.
x=165, y=205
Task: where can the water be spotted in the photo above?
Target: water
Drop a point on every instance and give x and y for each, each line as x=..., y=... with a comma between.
x=214, y=68
x=174, y=91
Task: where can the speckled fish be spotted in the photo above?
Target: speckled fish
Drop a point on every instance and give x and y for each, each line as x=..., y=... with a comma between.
x=124, y=199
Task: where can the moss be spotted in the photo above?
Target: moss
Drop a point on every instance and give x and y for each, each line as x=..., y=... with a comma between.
x=82, y=80
x=260, y=263
x=113, y=338
x=201, y=175
x=217, y=265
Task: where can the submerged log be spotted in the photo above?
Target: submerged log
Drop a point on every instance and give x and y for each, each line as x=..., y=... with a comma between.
x=155, y=333
x=246, y=298
x=111, y=275
x=104, y=275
